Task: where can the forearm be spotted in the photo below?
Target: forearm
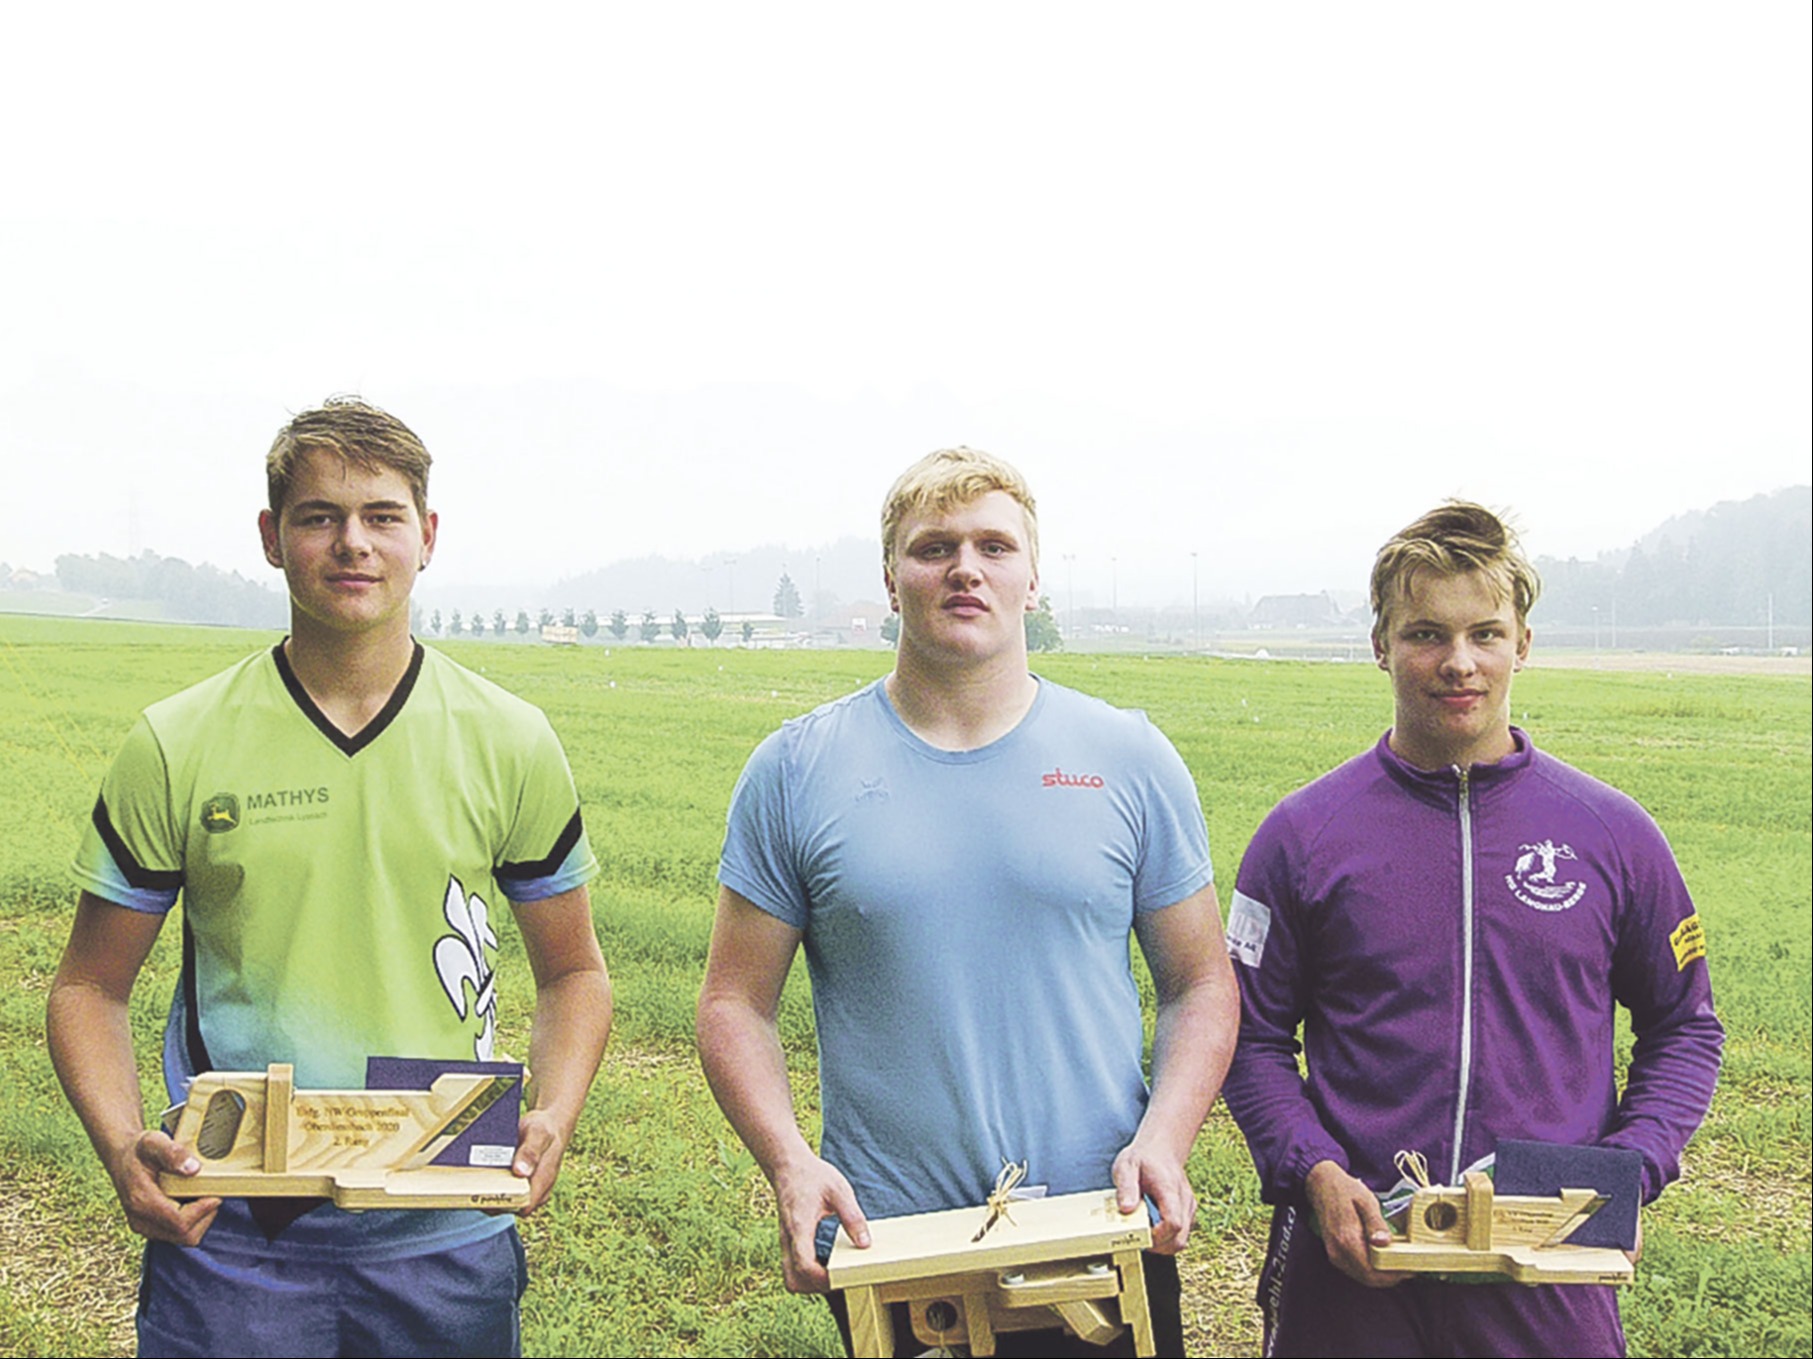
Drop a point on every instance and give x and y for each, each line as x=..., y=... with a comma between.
x=89, y=1034
x=1266, y=1094
x=90, y=1042
x=740, y=1049
x=572, y=1023
x=1660, y=976
x=1265, y=1089
x=1666, y=1095
x=90, y=1039
x=1198, y=1016
x=1192, y=1048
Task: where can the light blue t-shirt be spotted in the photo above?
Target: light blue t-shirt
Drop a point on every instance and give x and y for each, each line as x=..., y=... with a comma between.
x=966, y=918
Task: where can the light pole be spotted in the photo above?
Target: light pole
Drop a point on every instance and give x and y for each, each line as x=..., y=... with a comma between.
x=1070, y=591
x=1195, y=605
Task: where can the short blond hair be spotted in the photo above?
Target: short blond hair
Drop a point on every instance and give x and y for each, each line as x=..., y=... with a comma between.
x=1453, y=538
x=357, y=431
x=949, y=477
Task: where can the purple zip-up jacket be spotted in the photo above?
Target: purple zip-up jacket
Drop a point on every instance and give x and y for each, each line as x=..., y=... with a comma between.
x=1453, y=945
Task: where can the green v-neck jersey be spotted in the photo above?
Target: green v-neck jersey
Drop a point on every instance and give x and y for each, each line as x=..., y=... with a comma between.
x=338, y=891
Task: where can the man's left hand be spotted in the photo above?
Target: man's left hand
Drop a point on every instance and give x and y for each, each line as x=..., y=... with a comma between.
x=1139, y=1173
x=539, y=1147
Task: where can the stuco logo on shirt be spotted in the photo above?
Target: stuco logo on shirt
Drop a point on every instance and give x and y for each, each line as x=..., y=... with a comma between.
x=1535, y=881
x=1057, y=778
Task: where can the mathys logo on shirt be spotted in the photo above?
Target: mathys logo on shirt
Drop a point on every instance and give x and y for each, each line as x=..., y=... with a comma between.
x=226, y=811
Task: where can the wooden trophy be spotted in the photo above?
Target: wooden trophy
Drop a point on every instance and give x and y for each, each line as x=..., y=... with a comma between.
x=1070, y=1260
x=1473, y=1230
x=257, y=1136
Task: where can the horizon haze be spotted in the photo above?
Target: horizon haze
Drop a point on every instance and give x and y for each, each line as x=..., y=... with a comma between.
x=1241, y=289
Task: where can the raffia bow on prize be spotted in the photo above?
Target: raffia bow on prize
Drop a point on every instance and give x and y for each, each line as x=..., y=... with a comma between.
x=1039, y=1262
x=1006, y=1185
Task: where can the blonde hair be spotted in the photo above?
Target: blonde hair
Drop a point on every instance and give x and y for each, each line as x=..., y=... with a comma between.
x=954, y=476
x=1452, y=539
x=366, y=437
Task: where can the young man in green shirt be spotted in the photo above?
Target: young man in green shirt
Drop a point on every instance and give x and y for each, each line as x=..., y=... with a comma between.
x=333, y=814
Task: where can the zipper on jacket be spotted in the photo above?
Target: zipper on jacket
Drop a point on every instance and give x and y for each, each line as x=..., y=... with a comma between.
x=1466, y=976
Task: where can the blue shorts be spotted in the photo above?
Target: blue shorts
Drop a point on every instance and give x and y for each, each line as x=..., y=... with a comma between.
x=459, y=1302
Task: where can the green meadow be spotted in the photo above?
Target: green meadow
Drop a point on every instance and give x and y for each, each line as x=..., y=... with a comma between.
x=660, y=1238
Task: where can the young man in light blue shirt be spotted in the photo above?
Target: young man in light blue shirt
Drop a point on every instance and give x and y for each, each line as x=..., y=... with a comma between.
x=964, y=849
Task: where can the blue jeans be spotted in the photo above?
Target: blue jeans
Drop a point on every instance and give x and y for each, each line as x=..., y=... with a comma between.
x=459, y=1302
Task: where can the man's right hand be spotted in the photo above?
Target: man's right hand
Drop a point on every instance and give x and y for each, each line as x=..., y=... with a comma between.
x=1347, y=1212
x=803, y=1198
x=149, y=1210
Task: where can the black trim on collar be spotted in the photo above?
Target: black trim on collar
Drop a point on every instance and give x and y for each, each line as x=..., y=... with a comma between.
x=372, y=730
x=541, y=868
x=155, y=879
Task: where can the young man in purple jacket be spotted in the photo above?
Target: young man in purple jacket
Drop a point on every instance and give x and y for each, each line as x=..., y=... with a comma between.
x=1453, y=917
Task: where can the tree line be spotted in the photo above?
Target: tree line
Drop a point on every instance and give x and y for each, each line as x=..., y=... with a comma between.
x=648, y=629
x=1738, y=562
x=1042, y=630
x=200, y=594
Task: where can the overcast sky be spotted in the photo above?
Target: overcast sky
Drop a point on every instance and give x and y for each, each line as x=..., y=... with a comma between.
x=1259, y=282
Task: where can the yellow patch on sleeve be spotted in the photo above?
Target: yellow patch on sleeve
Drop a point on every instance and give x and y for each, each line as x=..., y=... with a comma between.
x=1689, y=940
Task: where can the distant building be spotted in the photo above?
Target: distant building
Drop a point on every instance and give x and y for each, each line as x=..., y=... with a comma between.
x=867, y=616
x=1296, y=611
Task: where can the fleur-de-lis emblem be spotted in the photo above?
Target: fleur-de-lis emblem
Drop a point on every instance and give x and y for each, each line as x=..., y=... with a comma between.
x=460, y=960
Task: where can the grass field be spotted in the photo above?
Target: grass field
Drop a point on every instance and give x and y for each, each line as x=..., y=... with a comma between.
x=660, y=1239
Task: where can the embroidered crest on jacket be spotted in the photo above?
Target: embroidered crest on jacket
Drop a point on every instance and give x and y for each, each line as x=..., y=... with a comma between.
x=1533, y=880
